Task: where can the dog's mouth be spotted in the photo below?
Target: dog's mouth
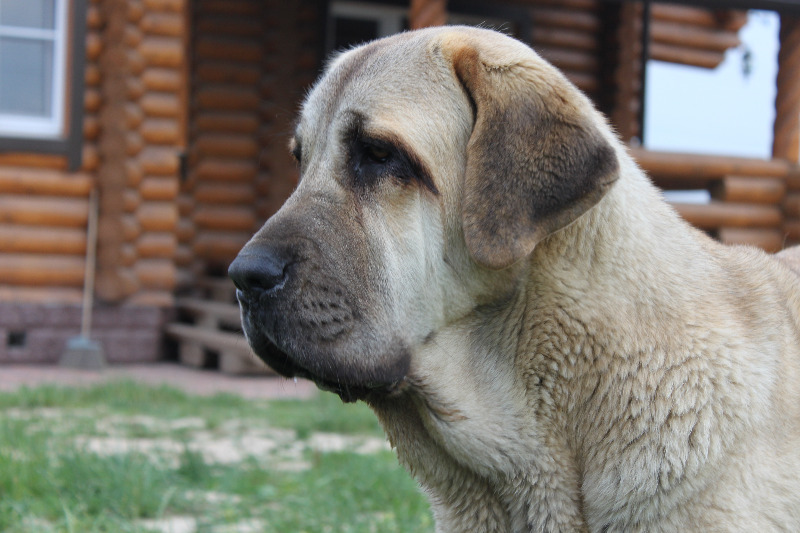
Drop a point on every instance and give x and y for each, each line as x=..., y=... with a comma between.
x=349, y=392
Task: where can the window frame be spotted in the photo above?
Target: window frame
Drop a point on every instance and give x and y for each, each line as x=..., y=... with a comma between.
x=65, y=135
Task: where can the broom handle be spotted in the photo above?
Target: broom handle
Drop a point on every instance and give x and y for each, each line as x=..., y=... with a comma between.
x=91, y=259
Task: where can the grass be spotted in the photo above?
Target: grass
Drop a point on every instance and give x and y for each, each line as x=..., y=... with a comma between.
x=124, y=457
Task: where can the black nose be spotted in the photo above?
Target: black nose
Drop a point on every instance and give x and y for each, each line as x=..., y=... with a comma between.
x=259, y=270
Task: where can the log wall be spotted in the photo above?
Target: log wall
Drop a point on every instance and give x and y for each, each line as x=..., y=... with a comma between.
x=747, y=195
x=252, y=61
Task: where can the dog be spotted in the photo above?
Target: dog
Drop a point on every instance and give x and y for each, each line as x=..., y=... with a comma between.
x=549, y=347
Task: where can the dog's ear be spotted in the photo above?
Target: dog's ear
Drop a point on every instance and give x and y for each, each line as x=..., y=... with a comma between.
x=535, y=161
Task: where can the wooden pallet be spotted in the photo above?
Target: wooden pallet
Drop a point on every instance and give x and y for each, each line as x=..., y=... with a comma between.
x=214, y=328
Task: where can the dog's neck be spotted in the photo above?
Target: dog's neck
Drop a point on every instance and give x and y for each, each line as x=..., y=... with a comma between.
x=514, y=417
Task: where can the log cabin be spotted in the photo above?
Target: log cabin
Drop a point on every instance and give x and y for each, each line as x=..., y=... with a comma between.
x=174, y=114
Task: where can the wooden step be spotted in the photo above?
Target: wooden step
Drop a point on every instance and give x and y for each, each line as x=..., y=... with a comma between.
x=235, y=355
x=227, y=314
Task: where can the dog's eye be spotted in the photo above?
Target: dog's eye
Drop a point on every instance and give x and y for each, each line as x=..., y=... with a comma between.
x=376, y=153
x=297, y=153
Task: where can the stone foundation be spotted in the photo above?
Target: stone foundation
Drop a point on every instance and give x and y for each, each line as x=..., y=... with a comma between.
x=38, y=333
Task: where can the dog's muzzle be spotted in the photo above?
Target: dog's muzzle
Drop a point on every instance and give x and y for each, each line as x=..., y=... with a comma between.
x=301, y=323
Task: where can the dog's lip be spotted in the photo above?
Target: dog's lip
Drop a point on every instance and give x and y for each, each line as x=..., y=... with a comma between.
x=348, y=392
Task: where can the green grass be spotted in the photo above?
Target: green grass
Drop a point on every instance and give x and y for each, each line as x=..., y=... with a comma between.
x=57, y=473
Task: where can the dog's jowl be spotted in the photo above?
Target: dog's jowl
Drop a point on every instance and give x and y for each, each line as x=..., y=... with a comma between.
x=549, y=347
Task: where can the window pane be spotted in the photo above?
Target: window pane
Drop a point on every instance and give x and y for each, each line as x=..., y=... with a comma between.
x=28, y=13
x=26, y=77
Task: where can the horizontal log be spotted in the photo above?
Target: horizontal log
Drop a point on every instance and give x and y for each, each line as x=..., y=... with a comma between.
x=132, y=36
x=565, y=18
x=677, y=165
x=151, y=245
x=224, y=193
x=227, y=145
x=42, y=270
x=239, y=26
x=225, y=218
x=91, y=127
x=751, y=190
x=133, y=143
x=92, y=100
x=163, y=23
x=185, y=230
x=42, y=240
x=229, y=122
x=131, y=200
x=156, y=273
x=159, y=189
x=245, y=8
x=94, y=18
x=33, y=160
x=718, y=215
x=183, y=257
x=572, y=60
x=157, y=216
x=135, y=88
x=228, y=170
x=128, y=255
x=683, y=183
x=133, y=115
x=683, y=55
x=791, y=228
x=131, y=229
x=228, y=49
x=696, y=16
x=135, y=11
x=224, y=72
x=219, y=246
x=672, y=33
x=585, y=81
x=561, y=38
x=94, y=46
x=159, y=161
x=229, y=98
x=37, y=295
x=136, y=61
x=160, y=131
x=162, y=51
x=44, y=211
x=162, y=79
x=90, y=160
x=92, y=75
x=133, y=173
x=791, y=205
x=770, y=240
x=185, y=203
x=173, y=6
x=152, y=298
x=161, y=105
x=35, y=181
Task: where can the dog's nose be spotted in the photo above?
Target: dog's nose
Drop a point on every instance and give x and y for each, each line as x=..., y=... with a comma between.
x=260, y=272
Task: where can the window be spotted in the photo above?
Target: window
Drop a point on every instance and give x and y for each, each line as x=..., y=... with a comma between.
x=352, y=23
x=32, y=43
x=42, y=43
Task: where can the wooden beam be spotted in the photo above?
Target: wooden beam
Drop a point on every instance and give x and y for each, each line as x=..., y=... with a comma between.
x=786, y=143
x=426, y=13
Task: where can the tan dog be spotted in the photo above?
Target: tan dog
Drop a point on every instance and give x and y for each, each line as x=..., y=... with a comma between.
x=548, y=346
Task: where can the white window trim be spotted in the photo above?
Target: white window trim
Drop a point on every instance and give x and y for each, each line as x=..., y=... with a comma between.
x=52, y=127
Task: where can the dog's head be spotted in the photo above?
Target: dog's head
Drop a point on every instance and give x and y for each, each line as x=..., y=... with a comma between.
x=432, y=163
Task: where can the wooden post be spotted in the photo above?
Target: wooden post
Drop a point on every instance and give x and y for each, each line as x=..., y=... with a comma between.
x=425, y=13
x=786, y=143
